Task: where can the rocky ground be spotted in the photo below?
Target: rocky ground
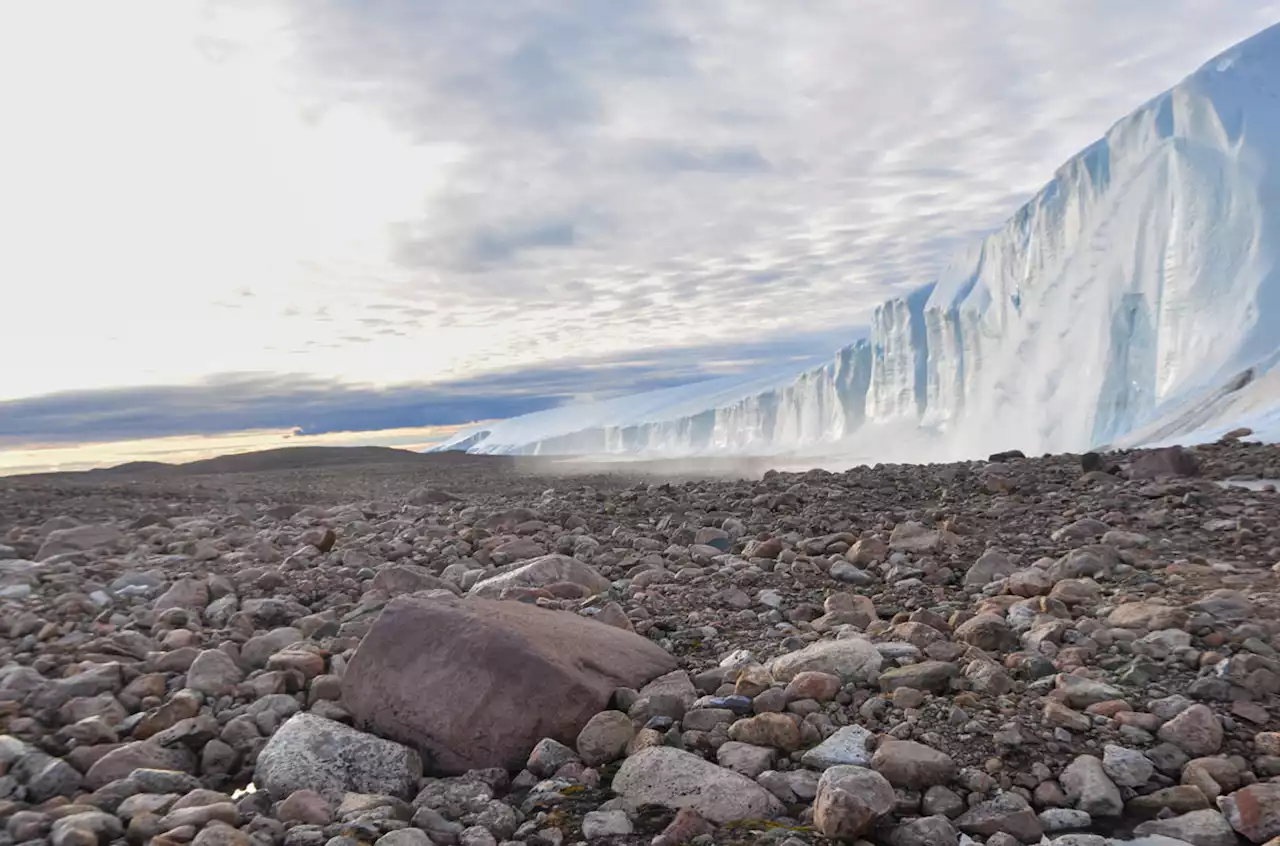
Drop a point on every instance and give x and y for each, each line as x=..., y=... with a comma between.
x=474, y=651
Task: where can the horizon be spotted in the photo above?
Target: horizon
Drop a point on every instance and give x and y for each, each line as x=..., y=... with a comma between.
x=397, y=222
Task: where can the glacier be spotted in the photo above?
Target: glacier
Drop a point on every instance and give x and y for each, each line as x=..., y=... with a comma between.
x=1134, y=300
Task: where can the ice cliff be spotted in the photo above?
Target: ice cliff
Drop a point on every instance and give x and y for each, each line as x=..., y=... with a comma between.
x=1135, y=298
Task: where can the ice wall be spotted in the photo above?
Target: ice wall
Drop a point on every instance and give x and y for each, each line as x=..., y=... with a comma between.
x=1141, y=279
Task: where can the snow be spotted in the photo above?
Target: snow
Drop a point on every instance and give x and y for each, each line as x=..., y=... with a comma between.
x=1135, y=299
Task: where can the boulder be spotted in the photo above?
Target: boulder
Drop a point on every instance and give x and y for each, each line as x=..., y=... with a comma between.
x=1090, y=789
x=78, y=539
x=1196, y=731
x=312, y=753
x=1254, y=811
x=912, y=765
x=1200, y=828
x=852, y=659
x=476, y=683
x=849, y=801
x=672, y=778
x=540, y=572
x=404, y=578
x=1167, y=461
x=139, y=755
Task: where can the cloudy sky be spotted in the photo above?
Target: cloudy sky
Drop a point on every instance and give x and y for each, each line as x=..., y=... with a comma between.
x=364, y=214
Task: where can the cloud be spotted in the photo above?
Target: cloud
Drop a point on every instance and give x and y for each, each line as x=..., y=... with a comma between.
x=235, y=402
x=514, y=186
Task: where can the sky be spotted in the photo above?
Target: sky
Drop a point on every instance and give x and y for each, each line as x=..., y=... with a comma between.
x=356, y=215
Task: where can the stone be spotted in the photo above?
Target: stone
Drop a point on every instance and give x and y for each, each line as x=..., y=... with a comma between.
x=258, y=650
x=1254, y=811
x=1008, y=813
x=100, y=827
x=1057, y=715
x=776, y=730
x=188, y=593
x=1079, y=692
x=990, y=566
x=672, y=778
x=78, y=539
x=745, y=758
x=906, y=763
x=598, y=825
x=820, y=687
x=305, y=806
x=851, y=659
x=548, y=756
x=935, y=830
x=987, y=632
x=1196, y=731
x=213, y=673
x=604, y=738
x=1064, y=819
x=1089, y=788
x=1199, y=828
x=933, y=676
x=847, y=746
x=1166, y=461
x=849, y=801
x=475, y=683
x=1126, y=767
x=214, y=834
x=541, y=572
x=1151, y=616
x=914, y=537
x=405, y=837
x=312, y=753
x=403, y=578
x=942, y=800
x=140, y=754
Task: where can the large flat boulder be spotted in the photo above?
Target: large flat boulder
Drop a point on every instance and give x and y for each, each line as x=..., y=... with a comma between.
x=540, y=572
x=475, y=683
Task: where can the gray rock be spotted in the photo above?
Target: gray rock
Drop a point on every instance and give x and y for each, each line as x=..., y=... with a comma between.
x=548, y=756
x=1008, y=813
x=1089, y=788
x=312, y=753
x=597, y=825
x=1196, y=731
x=78, y=539
x=933, y=676
x=745, y=758
x=846, y=747
x=540, y=572
x=604, y=738
x=191, y=594
x=671, y=778
x=141, y=754
x=1254, y=811
x=1199, y=828
x=213, y=673
x=1064, y=819
x=912, y=765
x=1126, y=767
x=927, y=831
x=849, y=801
x=405, y=837
x=852, y=659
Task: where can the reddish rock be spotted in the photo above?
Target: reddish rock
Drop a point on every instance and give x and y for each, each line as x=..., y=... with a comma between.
x=477, y=683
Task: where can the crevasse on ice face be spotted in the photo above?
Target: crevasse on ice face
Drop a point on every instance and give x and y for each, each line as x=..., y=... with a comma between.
x=1121, y=299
